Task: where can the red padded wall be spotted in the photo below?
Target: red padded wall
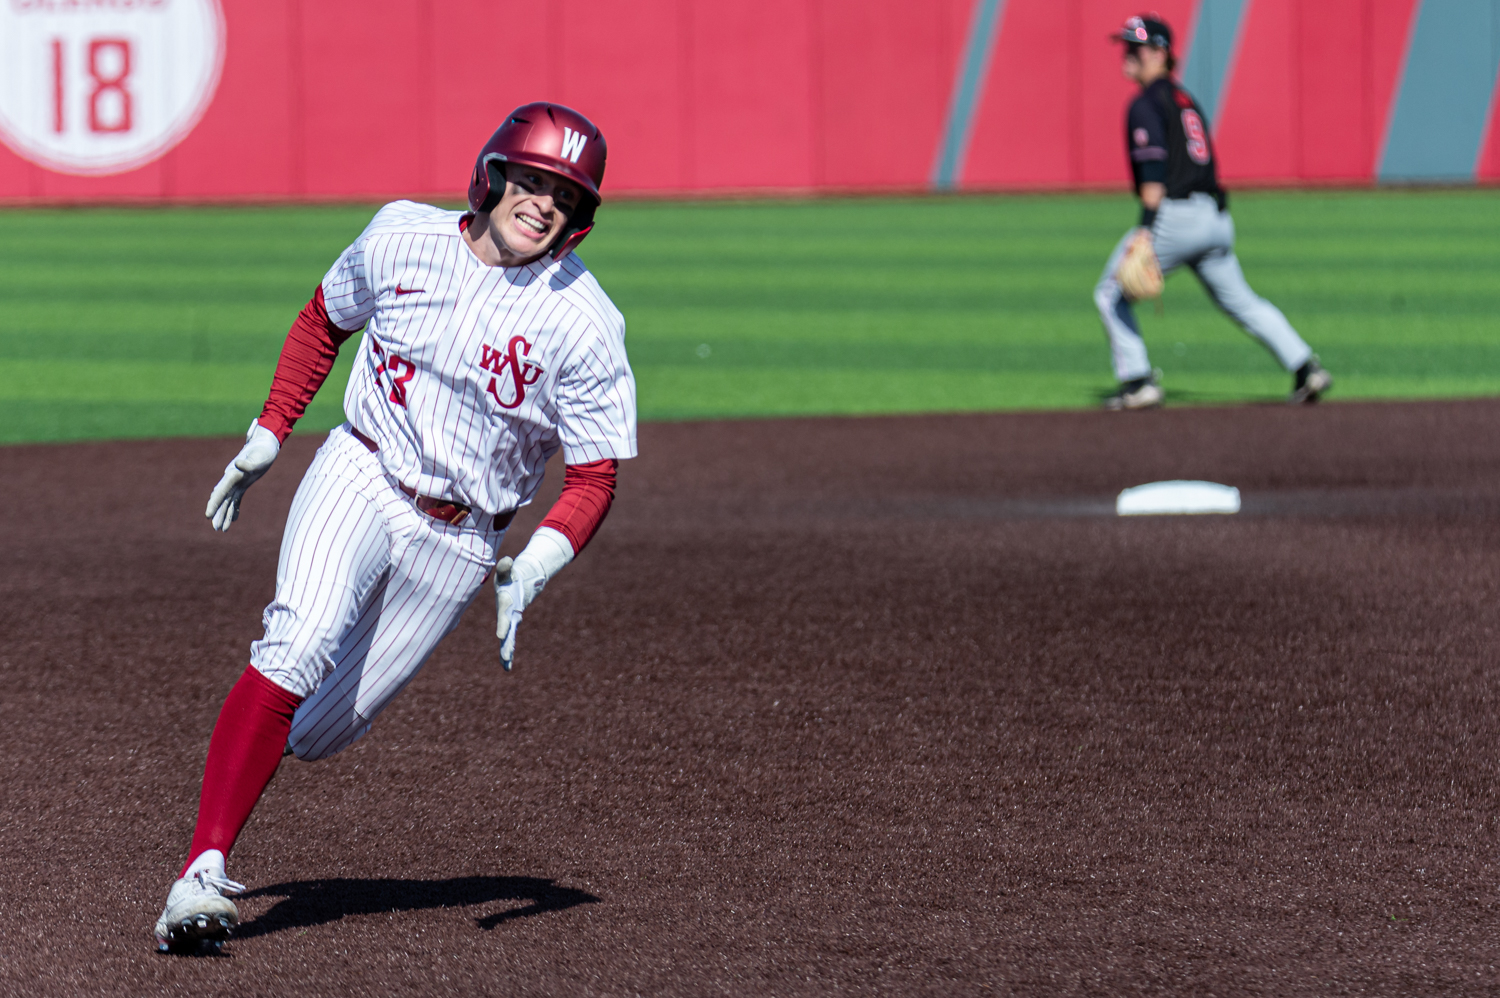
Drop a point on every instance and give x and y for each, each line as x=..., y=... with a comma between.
x=625, y=65
x=384, y=98
x=1311, y=89
x=1052, y=111
x=248, y=136
x=365, y=125
x=749, y=94
x=883, y=87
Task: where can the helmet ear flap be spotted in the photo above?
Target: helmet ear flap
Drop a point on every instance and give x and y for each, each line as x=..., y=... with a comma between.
x=580, y=225
x=494, y=171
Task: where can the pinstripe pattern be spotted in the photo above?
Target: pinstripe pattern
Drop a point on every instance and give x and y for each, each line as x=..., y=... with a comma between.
x=455, y=437
x=365, y=589
x=468, y=378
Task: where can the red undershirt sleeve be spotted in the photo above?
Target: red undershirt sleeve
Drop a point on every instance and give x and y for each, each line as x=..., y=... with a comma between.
x=587, y=492
x=306, y=358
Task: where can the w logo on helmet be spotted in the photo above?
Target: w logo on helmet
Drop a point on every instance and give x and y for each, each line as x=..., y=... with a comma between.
x=573, y=143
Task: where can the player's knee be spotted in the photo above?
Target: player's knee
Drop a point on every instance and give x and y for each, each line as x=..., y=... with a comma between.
x=314, y=742
x=297, y=678
x=1126, y=315
x=297, y=650
x=304, y=748
x=1245, y=305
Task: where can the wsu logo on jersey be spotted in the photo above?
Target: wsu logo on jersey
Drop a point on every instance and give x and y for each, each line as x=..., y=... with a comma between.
x=513, y=371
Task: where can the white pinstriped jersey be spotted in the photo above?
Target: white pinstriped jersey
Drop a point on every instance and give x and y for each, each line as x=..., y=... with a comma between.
x=470, y=376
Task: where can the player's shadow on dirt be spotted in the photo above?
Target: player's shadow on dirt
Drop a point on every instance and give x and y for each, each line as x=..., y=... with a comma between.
x=317, y=902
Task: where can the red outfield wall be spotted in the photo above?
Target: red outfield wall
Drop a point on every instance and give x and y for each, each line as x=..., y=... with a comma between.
x=1307, y=91
x=377, y=98
x=1312, y=89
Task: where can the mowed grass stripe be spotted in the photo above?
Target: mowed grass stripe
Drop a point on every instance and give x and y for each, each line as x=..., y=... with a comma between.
x=153, y=322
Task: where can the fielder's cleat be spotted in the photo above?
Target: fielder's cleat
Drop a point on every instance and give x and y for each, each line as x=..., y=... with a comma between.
x=1142, y=393
x=1312, y=381
x=197, y=912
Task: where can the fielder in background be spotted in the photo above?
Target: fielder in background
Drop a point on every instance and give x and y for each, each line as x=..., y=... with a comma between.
x=487, y=346
x=1184, y=221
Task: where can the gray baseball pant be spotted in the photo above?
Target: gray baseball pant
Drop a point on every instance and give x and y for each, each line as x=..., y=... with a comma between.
x=1193, y=231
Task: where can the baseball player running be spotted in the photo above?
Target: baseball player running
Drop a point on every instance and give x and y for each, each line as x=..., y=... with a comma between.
x=1184, y=221
x=487, y=346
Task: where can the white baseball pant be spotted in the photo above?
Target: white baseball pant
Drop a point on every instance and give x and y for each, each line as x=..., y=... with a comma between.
x=1193, y=231
x=366, y=587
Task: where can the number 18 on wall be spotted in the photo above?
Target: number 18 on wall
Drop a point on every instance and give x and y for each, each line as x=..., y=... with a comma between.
x=107, y=86
x=107, y=61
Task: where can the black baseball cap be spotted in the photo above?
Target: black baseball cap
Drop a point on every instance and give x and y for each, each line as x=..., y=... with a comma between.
x=1146, y=29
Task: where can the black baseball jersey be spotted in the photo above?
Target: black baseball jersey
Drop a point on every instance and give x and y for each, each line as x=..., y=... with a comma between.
x=1167, y=137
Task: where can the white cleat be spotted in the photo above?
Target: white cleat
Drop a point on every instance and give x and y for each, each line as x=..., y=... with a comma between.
x=197, y=911
x=1142, y=393
x=1312, y=381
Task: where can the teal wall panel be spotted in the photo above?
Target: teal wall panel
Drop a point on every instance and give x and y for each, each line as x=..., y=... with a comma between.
x=1210, y=52
x=1443, y=102
x=972, y=70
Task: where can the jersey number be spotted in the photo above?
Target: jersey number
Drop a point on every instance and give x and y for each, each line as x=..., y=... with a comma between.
x=1197, y=138
x=393, y=365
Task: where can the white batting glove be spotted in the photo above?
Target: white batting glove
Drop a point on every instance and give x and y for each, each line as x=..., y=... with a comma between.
x=518, y=581
x=253, y=460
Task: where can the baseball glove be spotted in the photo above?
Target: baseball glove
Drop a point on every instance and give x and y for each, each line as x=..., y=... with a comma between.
x=1139, y=272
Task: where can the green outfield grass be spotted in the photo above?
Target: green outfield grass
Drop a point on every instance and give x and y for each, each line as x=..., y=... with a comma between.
x=154, y=322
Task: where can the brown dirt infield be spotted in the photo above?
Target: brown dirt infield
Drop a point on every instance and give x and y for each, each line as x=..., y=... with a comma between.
x=838, y=706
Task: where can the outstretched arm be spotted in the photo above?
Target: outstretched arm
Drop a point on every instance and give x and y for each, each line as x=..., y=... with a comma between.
x=306, y=358
x=588, y=491
x=311, y=346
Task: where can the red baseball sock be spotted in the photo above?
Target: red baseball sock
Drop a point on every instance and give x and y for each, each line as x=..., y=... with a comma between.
x=243, y=754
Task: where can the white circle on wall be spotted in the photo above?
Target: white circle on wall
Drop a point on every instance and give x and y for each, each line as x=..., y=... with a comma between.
x=96, y=87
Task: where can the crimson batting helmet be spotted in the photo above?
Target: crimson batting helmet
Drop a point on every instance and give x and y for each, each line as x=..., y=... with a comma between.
x=549, y=137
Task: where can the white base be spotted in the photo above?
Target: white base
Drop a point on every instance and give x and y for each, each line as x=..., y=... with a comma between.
x=1178, y=498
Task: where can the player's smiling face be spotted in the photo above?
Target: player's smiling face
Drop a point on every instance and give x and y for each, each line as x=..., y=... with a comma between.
x=532, y=213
